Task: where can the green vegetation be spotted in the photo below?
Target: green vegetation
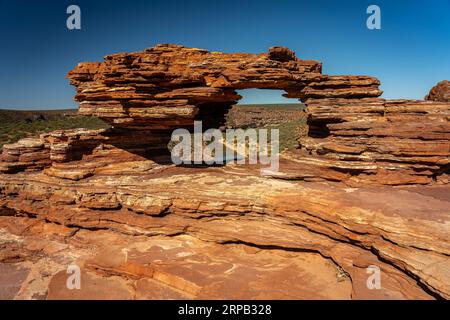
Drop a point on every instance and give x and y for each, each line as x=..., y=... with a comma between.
x=289, y=133
x=288, y=118
x=15, y=125
x=285, y=106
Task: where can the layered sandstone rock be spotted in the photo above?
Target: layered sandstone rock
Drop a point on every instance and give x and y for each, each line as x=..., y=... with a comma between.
x=353, y=135
x=140, y=227
x=26, y=154
x=403, y=231
x=170, y=86
x=440, y=92
x=372, y=140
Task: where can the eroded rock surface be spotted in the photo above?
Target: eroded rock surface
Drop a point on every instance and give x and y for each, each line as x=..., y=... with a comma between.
x=377, y=141
x=368, y=186
x=440, y=92
x=352, y=133
x=403, y=231
x=170, y=86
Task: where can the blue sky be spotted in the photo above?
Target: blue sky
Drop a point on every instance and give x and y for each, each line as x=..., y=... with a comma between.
x=409, y=54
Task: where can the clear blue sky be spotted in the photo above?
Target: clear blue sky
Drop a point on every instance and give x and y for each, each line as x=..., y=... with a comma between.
x=409, y=54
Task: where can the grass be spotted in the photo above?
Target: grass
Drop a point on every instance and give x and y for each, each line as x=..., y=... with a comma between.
x=16, y=129
x=15, y=125
x=286, y=106
x=289, y=133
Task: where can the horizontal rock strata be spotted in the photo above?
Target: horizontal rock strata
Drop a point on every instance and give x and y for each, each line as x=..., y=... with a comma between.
x=372, y=140
x=169, y=86
x=363, y=138
x=140, y=227
x=403, y=231
x=353, y=135
x=26, y=154
x=440, y=92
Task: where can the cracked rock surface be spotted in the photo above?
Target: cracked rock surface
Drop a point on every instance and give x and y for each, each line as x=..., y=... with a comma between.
x=222, y=233
x=367, y=187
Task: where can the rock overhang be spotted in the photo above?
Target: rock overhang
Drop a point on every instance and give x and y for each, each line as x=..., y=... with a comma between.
x=76, y=181
x=353, y=135
x=168, y=86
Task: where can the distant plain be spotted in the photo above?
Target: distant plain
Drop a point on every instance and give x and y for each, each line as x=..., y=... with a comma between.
x=18, y=124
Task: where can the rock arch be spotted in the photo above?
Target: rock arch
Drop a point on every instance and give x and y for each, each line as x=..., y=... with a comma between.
x=74, y=181
x=169, y=86
x=353, y=135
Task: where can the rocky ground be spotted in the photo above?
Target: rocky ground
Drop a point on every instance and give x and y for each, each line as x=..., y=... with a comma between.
x=359, y=208
x=220, y=233
x=15, y=124
x=260, y=116
x=18, y=124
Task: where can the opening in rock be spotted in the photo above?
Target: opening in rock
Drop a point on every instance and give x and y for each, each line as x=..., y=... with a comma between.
x=268, y=108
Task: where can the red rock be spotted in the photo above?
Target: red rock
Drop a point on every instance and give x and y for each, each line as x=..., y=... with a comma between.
x=440, y=92
x=397, y=141
x=184, y=80
x=281, y=54
x=395, y=229
x=141, y=227
x=391, y=142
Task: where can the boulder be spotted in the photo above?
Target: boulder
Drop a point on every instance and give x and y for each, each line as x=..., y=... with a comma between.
x=440, y=92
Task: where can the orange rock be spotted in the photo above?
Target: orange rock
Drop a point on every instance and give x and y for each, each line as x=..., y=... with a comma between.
x=440, y=92
x=138, y=226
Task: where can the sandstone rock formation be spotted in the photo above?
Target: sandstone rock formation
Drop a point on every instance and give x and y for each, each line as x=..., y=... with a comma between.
x=391, y=142
x=231, y=214
x=26, y=154
x=440, y=92
x=170, y=86
x=353, y=134
x=368, y=186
